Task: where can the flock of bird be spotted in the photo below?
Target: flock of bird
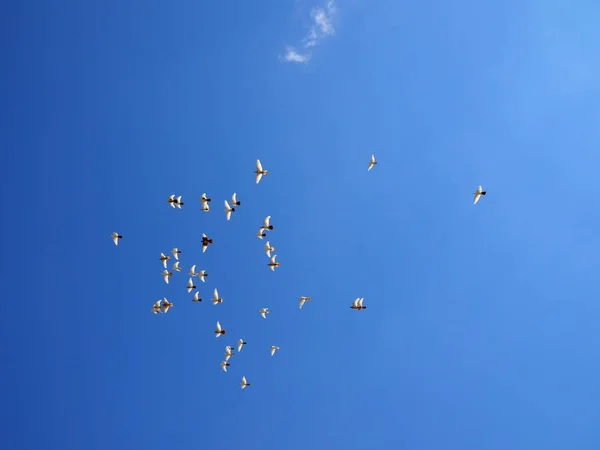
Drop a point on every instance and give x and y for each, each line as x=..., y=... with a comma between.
x=163, y=305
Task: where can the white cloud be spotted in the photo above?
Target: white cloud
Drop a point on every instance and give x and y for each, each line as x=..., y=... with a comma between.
x=322, y=26
x=291, y=55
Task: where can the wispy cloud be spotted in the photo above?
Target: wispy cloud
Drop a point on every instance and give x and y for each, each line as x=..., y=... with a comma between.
x=322, y=26
x=291, y=55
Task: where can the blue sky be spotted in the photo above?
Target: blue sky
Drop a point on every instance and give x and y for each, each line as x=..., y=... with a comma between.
x=481, y=329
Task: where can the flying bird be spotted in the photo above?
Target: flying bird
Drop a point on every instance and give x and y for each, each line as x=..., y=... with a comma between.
x=228, y=352
x=301, y=301
x=266, y=224
x=178, y=202
x=244, y=383
x=164, y=259
x=234, y=200
x=272, y=264
x=166, y=274
x=358, y=304
x=115, y=237
x=201, y=275
x=263, y=312
x=205, y=242
x=156, y=307
x=260, y=234
x=240, y=344
x=197, y=298
x=192, y=272
x=176, y=267
x=259, y=171
x=175, y=252
x=372, y=162
x=228, y=210
x=478, y=193
x=166, y=305
x=269, y=249
x=172, y=201
x=218, y=330
x=274, y=348
x=215, y=298
x=224, y=365
x=190, y=286
x=204, y=203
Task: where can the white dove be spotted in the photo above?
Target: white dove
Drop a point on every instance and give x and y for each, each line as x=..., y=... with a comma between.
x=219, y=330
x=224, y=365
x=234, y=200
x=166, y=274
x=358, y=304
x=266, y=223
x=171, y=201
x=263, y=312
x=228, y=352
x=204, y=203
x=272, y=264
x=260, y=233
x=274, y=348
x=196, y=297
x=215, y=298
x=166, y=305
x=175, y=252
x=176, y=267
x=269, y=249
x=178, y=202
x=244, y=383
x=372, y=162
x=192, y=271
x=228, y=210
x=259, y=172
x=190, y=286
x=164, y=259
x=240, y=344
x=201, y=275
x=301, y=301
x=478, y=193
x=156, y=307
x=115, y=237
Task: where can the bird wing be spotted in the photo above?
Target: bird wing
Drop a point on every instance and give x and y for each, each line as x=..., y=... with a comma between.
x=218, y=327
x=234, y=198
x=301, y=301
x=266, y=222
x=115, y=238
x=259, y=165
x=476, y=198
